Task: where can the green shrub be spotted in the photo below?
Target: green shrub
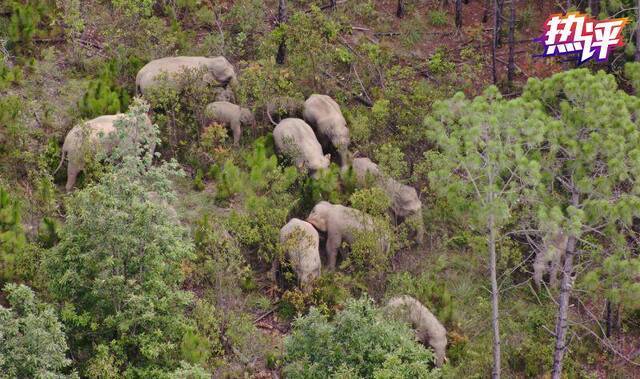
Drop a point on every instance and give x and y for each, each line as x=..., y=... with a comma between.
x=179, y=112
x=359, y=343
x=32, y=339
x=103, y=95
x=13, y=241
x=9, y=76
x=438, y=17
x=373, y=201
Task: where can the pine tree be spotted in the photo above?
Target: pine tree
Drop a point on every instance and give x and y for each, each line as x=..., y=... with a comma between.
x=489, y=144
x=13, y=241
x=590, y=168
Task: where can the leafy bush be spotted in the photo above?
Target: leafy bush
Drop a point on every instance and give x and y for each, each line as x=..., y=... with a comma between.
x=179, y=112
x=32, y=340
x=103, y=95
x=13, y=241
x=373, y=201
x=9, y=75
x=437, y=17
x=358, y=343
x=118, y=266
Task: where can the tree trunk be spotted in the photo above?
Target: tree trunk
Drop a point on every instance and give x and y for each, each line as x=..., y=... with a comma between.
x=494, y=44
x=499, y=5
x=400, y=9
x=458, y=14
x=563, y=302
x=332, y=5
x=638, y=31
x=485, y=14
x=494, y=299
x=282, y=18
x=608, y=319
x=511, y=67
x=595, y=8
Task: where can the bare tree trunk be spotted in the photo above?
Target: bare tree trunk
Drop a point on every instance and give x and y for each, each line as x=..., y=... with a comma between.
x=563, y=302
x=494, y=42
x=595, y=8
x=494, y=299
x=485, y=14
x=458, y=14
x=608, y=319
x=332, y=5
x=282, y=18
x=400, y=9
x=499, y=6
x=511, y=67
x=637, y=31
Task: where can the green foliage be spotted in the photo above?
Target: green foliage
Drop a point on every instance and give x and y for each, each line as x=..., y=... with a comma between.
x=178, y=104
x=117, y=269
x=391, y=160
x=219, y=264
x=632, y=72
x=373, y=201
x=198, y=181
x=229, y=181
x=32, y=340
x=135, y=7
x=103, y=95
x=268, y=199
x=13, y=241
x=9, y=75
x=438, y=17
x=333, y=185
x=359, y=343
x=26, y=22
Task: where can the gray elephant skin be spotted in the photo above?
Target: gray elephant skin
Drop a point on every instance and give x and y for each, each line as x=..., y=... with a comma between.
x=301, y=245
x=218, y=69
x=429, y=330
x=295, y=139
x=86, y=140
x=231, y=116
x=341, y=224
x=404, y=199
x=324, y=115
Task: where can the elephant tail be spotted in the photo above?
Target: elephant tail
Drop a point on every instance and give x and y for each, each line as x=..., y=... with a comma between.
x=269, y=109
x=61, y=161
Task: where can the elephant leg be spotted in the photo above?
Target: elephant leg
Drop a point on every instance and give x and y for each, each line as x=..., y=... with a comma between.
x=72, y=175
x=237, y=131
x=333, y=244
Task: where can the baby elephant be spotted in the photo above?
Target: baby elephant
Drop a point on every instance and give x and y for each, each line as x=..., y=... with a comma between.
x=218, y=69
x=341, y=224
x=230, y=115
x=324, y=114
x=429, y=330
x=86, y=140
x=404, y=199
x=295, y=139
x=300, y=242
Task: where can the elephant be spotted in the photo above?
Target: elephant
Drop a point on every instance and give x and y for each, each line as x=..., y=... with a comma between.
x=429, y=330
x=294, y=139
x=404, y=199
x=230, y=115
x=341, y=225
x=284, y=107
x=301, y=242
x=218, y=70
x=324, y=115
x=549, y=257
x=90, y=137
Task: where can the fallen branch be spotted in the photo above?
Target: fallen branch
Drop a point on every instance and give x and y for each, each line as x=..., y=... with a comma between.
x=265, y=315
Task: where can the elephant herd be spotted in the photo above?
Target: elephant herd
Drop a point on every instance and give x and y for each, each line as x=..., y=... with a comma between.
x=303, y=141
